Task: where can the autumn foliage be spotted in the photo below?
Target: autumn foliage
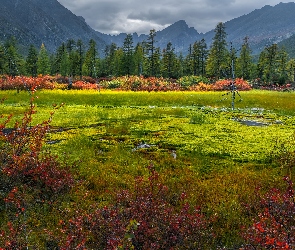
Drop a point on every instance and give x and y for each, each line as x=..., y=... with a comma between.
x=126, y=83
x=274, y=228
x=141, y=219
x=28, y=175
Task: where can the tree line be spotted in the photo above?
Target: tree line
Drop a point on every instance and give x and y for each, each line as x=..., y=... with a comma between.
x=219, y=61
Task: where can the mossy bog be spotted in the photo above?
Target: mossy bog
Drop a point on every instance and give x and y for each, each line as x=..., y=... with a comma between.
x=195, y=141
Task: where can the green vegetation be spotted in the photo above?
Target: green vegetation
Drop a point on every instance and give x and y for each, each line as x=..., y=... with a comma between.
x=197, y=144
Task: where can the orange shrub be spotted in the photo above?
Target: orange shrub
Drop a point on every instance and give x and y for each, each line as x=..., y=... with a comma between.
x=226, y=84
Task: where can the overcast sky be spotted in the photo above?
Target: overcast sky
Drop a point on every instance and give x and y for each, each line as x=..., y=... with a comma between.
x=128, y=16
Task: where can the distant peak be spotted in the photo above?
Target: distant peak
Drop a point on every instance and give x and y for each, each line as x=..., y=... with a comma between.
x=181, y=23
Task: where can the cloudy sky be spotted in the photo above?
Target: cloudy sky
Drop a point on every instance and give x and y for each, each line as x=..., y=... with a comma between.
x=128, y=16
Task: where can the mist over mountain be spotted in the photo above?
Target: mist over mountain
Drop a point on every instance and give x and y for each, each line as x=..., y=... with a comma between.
x=38, y=21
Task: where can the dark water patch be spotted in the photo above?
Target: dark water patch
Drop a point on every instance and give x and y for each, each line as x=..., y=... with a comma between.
x=53, y=142
x=7, y=131
x=253, y=123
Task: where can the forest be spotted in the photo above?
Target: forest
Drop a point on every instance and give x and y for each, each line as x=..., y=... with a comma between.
x=219, y=61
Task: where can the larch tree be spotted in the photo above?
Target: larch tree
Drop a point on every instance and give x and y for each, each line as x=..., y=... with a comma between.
x=13, y=61
x=127, y=59
x=108, y=64
x=80, y=54
x=43, y=61
x=291, y=69
x=168, y=62
x=138, y=58
x=31, y=61
x=198, y=57
x=91, y=60
x=282, y=61
x=217, y=62
x=150, y=51
x=244, y=62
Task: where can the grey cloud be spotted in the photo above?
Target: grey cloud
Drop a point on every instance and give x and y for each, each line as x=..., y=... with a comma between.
x=217, y=3
x=116, y=16
x=156, y=15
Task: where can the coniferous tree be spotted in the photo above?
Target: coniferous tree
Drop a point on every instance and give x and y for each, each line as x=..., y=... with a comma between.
x=108, y=62
x=52, y=64
x=282, y=62
x=203, y=56
x=169, y=62
x=127, y=59
x=270, y=73
x=180, y=65
x=2, y=60
x=31, y=61
x=272, y=65
x=261, y=65
x=156, y=62
x=43, y=61
x=244, y=62
x=198, y=57
x=217, y=62
x=188, y=62
x=13, y=61
x=138, y=58
x=71, y=45
x=267, y=64
x=232, y=61
x=62, y=61
x=91, y=60
x=151, y=50
x=291, y=69
x=118, y=62
x=78, y=63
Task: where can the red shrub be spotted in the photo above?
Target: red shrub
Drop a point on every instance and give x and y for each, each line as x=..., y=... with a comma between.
x=27, y=177
x=81, y=85
x=145, y=218
x=22, y=160
x=26, y=83
x=226, y=84
x=275, y=225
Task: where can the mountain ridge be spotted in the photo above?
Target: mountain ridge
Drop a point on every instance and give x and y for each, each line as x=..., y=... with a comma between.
x=37, y=21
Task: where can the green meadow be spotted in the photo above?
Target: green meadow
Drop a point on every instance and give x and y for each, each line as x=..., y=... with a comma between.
x=195, y=140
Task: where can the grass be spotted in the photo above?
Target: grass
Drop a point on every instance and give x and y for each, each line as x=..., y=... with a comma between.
x=219, y=161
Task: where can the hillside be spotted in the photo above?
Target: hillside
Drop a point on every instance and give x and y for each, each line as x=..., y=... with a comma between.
x=37, y=21
x=263, y=27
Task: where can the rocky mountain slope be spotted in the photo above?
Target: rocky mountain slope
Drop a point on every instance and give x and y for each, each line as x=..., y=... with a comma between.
x=263, y=27
x=38, y=21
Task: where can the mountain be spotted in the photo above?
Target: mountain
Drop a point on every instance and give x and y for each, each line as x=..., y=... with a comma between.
x=289, y=45
x=179, y=34
x=38, y=21
x=263, y=27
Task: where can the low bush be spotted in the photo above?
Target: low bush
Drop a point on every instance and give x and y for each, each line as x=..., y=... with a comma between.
x=240, y=84
x=274, y=228
x=133, y=83
x=29, y=177
x=145, y=218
